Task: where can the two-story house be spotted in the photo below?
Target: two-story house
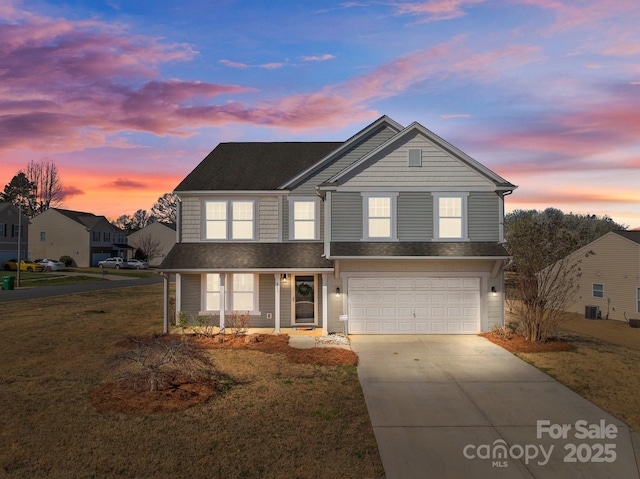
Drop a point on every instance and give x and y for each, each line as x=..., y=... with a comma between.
x=85, y=237
x=394, y=230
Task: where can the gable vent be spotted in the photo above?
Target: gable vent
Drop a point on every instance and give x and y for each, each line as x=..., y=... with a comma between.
x=415, y=157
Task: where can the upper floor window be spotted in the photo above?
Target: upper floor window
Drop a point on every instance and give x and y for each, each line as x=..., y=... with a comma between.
x=15, y=232
x=43, y=236
x=451, y=216
x=233, y=219
x=597, y=290
x=107, y=236
x=3, y=230
x=96, y=236
x=379, y=216
x=303, y=219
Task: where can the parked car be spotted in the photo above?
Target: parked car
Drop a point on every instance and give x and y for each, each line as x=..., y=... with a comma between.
x=116, y=263
x=51, y=264
x=25, y=265
x=136, y=264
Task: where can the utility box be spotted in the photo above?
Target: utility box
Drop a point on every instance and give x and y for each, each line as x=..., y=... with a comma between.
x=591, y=312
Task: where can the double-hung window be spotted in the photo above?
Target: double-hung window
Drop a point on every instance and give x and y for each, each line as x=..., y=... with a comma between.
x=638, y=300
x=241, y=292
x=304, y=219
x=379, y=216
x=229, y=220
x=597, y=290
x=450, y=222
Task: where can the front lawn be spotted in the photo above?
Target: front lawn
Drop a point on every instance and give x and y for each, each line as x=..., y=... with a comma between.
x=276, y=419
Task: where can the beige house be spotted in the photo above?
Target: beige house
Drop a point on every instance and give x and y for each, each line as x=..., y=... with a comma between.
x=85, y=237
x=161, y=233
x=611, y=278
x=9, y=226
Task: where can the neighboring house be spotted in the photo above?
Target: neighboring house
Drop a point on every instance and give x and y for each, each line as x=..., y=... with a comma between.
x=10, y=223
x=162, y=234
x=395, y=230
x=610, y=278
x=85, y=237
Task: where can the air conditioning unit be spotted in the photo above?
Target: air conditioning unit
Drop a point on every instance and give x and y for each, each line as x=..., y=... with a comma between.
x=591, y=312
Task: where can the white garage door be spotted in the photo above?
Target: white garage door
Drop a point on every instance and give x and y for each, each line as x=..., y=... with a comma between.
x=405, y=305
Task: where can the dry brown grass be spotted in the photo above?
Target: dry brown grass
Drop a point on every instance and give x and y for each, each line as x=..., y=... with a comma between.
x=602, y=365
x=279, y=419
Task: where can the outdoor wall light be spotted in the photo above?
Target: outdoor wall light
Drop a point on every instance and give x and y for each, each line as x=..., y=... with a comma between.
x=338, y=292
x=284, y=278
x=493, y=291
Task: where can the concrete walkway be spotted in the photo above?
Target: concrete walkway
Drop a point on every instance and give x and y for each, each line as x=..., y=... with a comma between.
x=461, y=407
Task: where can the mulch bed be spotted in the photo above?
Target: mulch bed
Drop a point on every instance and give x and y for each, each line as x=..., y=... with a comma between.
x=518, y=344
x=133, y=396
x=272, y=344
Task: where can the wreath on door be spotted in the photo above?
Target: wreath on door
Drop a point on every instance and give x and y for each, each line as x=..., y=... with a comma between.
x=304, y=289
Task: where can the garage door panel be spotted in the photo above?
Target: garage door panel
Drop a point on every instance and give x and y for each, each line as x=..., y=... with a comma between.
x=406, y=305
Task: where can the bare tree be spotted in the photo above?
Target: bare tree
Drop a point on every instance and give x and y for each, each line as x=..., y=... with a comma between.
x=48, y=186
x=545, y=279
x=148, y=246
x=164, y=210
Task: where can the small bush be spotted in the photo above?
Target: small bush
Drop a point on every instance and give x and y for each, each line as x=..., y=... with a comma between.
x=238, y=322
x=502, y=332
x=67, y=260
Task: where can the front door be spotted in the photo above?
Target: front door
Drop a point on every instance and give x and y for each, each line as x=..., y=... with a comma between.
x=303, y=299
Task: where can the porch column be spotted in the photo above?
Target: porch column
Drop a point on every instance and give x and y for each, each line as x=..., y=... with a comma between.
x=276, y=313
x=223, y=305
x=325, y=304
x=165, y=309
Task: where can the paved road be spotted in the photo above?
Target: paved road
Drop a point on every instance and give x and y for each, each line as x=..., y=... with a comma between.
x=44, y=291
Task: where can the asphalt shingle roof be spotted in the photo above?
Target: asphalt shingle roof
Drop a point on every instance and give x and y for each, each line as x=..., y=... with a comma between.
x=631, y=235
x=430, y=249
x=246, y=256
x=254, y=165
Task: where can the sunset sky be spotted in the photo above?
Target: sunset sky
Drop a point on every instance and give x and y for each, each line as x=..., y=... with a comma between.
x=127, y=96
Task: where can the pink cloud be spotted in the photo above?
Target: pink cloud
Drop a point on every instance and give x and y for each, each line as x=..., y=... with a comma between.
x=71, y=191
x=623, y=49
x=583, y=13
x=66, y=85
x=434, y=10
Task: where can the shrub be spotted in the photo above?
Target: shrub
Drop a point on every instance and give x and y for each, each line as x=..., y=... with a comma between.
x=67, y=260
x=238, y=322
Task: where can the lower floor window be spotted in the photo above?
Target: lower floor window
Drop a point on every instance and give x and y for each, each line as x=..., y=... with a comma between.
x=241, y=292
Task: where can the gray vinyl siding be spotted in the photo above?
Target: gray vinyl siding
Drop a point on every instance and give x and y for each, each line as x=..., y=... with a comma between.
x=439, y=169
x=484, y=222
x=266, y=302
x=370, y=142
x=191, y=301
x=191, y=219
x=415, y=216
x=346, y=216
x=268, y=219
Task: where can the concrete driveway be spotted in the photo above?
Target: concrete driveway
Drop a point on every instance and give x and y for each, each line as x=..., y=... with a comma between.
x=459, y=406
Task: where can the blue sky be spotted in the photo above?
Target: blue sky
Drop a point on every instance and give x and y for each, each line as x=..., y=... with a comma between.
x=126, y=97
